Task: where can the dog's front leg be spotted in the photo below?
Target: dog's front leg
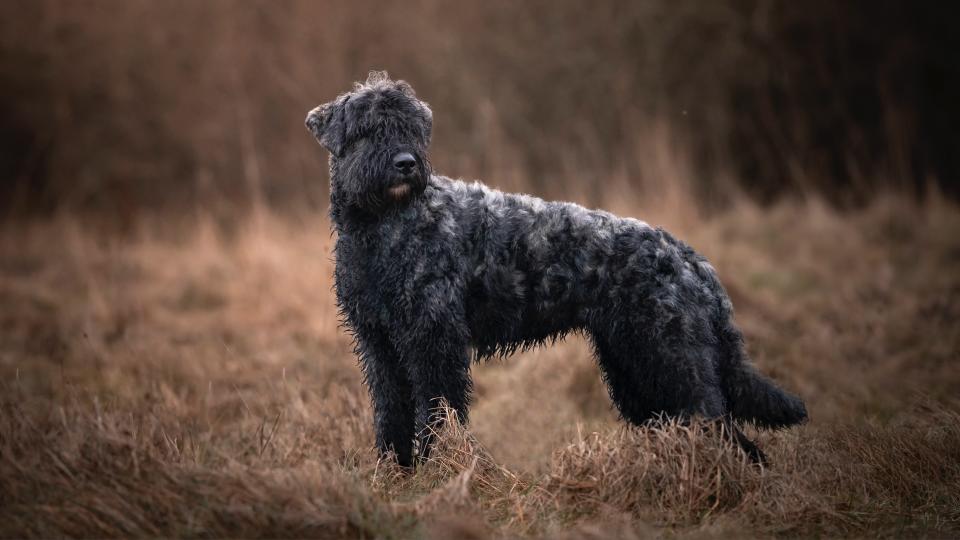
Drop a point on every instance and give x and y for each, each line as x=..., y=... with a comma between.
x=391, y=394
x=438, y=366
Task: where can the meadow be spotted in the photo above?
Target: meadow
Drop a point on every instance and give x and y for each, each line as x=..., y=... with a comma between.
x=194, y=382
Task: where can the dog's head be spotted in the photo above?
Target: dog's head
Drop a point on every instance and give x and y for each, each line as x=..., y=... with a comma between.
x=377, y=136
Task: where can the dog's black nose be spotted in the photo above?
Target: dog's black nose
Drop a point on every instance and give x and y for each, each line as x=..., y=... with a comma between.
x=404, y=162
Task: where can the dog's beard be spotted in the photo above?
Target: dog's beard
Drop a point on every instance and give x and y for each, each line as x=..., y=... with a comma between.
x=400, y=191
x=404, y=188
x=372, y=190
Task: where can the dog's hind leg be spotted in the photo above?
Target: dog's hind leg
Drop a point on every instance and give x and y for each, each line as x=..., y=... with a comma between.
x=649, y=378
x=632, y=386
x=392, y=396
x=733, y=432
x=677, y=380
x=714, y=407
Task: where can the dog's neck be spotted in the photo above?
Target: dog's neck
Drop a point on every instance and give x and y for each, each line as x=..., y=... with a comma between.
x=353, y=220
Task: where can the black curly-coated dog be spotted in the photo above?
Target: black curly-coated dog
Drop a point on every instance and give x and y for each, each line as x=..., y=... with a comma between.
x=431, y=272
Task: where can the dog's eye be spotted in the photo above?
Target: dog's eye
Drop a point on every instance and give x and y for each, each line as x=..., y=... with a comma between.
x=350, y=145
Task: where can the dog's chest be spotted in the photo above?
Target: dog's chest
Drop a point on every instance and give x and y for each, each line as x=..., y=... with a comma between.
x=397, y=271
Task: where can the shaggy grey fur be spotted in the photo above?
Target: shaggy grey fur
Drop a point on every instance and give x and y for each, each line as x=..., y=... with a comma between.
x=432, y=272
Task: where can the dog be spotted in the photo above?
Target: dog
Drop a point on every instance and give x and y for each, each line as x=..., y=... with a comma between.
x=432, y=272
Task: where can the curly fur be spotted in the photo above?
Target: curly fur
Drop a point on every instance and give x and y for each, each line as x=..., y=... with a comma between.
x=454, y=271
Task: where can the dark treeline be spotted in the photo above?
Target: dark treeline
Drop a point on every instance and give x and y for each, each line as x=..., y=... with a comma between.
x=121, y=106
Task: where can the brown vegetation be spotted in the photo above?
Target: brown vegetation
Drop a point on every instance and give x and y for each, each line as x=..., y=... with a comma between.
x=199, y=386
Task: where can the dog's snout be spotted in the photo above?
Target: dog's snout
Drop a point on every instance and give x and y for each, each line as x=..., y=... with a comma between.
x=404, y=162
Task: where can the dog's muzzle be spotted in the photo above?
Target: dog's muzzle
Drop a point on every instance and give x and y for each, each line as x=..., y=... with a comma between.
x=405, y=166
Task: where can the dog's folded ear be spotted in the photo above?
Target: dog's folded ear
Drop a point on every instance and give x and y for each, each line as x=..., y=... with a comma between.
x=427, y=121
x=327, y=124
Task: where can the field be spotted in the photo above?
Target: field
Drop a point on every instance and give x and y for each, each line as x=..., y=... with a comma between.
x=193, y=381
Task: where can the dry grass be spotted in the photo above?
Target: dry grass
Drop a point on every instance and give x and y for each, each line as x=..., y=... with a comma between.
x=198, y=386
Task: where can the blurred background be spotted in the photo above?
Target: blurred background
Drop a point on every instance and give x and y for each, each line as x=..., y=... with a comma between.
x=117, y=108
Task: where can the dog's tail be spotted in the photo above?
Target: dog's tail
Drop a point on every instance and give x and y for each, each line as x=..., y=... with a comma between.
x=751, y=396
